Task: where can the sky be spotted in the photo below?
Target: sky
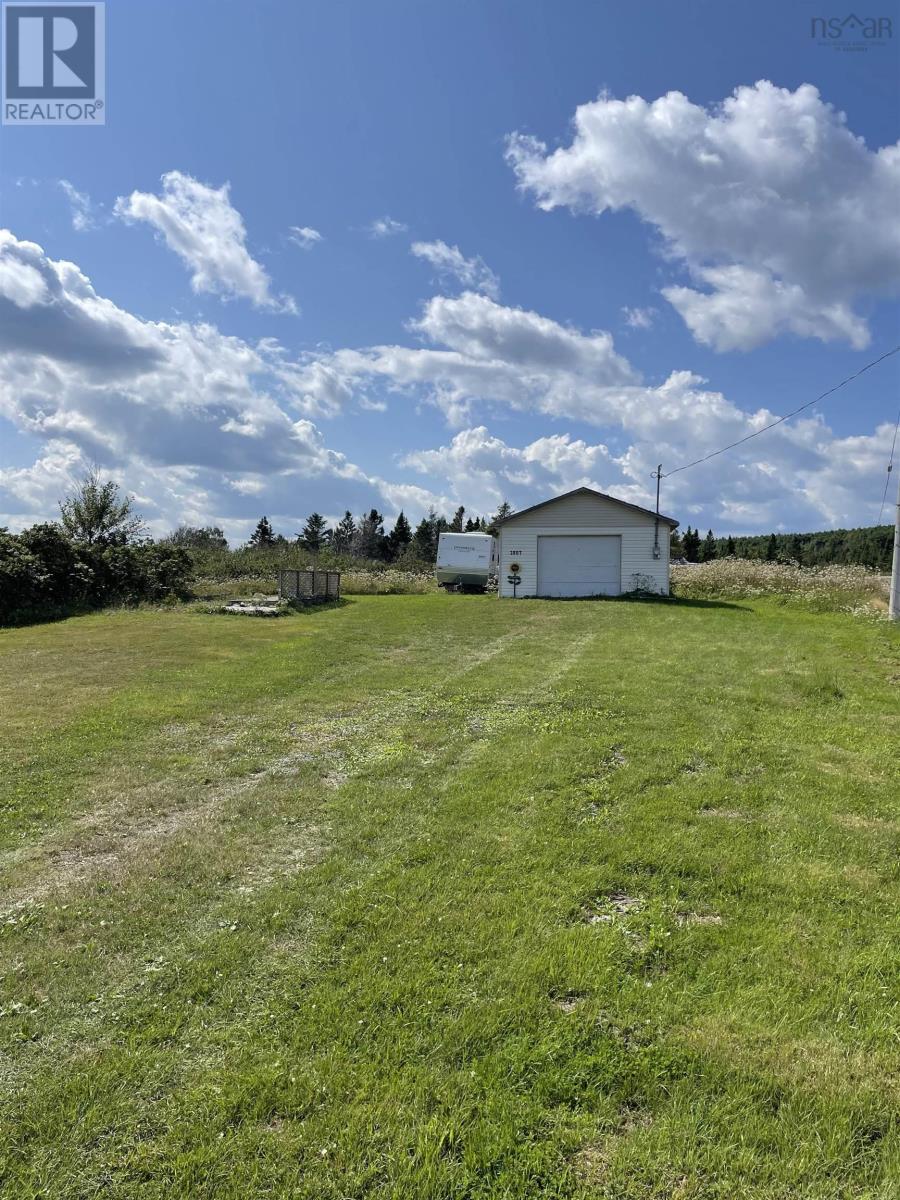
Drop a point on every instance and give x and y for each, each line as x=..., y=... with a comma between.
x=351, y=253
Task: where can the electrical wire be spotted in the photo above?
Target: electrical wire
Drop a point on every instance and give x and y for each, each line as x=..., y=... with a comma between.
x=786, y=417
x=887, y=482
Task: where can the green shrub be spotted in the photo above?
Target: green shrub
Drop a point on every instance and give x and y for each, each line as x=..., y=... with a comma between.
x=44, y=574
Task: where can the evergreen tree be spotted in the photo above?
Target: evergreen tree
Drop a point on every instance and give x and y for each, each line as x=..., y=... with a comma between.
x=438, y=526
x=314, y=534
x=344, y=534
x=421, y=540
x=772, y=548
x=708, y=548
x=456, y=525
x=399, y=537
x=370, y=540
x=472, y=526
x=262, y=536
x=730, y=549
x=425, y=539
x=676, y=545
x=505, y=510
x=691, y=544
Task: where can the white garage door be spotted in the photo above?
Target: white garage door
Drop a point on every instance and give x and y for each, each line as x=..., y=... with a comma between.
x=579, y=566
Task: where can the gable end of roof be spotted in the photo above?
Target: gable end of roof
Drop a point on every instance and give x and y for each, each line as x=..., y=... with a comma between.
x=586, y=491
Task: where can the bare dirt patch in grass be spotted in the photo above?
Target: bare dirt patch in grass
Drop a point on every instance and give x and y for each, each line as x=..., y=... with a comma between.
x=697, y=918
x=860, y=821
x=812, y=1062
x=569, y=1002
x=611, y=907
x=592, y=1164
x=727, y=814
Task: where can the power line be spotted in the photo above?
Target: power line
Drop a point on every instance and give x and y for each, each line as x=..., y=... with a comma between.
x=887, y=481
x=786, y=417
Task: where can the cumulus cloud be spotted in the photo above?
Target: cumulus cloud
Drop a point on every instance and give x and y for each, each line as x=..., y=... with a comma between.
x=304, y=236
x=81, y=207
x=449, y=262
x=383, y=227
x=202, y=426
x=486, y=358
x=746, y=307
x=207, y=232
x=483, y=352
x=782, y=215
x=182, y=405
x=485, y=470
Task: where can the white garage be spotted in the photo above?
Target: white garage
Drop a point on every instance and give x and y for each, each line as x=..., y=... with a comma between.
x=584, y=543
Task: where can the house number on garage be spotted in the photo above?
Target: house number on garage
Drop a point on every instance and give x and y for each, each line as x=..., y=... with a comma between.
x=515, y=554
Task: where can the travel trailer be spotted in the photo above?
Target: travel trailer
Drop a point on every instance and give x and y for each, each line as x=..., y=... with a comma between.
x=465, y=561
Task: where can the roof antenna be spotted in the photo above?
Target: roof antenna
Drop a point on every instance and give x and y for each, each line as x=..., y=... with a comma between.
x=657, y=475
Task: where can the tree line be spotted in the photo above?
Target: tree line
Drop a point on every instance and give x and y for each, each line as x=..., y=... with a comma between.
x=363, y=537
x=98, y=552
x=865, y=547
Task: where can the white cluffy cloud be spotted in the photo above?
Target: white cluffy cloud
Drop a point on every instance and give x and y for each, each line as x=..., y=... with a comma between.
x=304, y=236
x=207, y=232
x=207, y=428
x=485, y=470
x=781, y=215
x=486, y=358
x=450, y=263
x=181, y=411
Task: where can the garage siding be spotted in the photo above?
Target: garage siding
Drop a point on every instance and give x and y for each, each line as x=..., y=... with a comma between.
x=580, y=516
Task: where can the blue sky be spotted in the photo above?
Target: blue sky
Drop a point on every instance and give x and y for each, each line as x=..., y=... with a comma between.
x=532, y=314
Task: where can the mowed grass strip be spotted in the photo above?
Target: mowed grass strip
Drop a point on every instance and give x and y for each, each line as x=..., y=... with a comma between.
x=439, y=896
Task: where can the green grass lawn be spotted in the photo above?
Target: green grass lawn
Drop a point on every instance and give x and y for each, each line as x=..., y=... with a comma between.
x=436, y=896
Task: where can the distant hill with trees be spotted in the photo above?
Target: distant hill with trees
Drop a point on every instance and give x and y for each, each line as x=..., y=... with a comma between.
x=870, y=546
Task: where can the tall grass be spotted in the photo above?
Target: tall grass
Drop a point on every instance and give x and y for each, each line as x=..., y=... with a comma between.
x=248, y=571
x=833, y=588
x=360, y=582
x=391, y=582
x=262, y=565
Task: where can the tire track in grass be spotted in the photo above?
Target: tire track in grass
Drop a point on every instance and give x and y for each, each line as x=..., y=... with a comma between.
x=115, y=829
x=346, y=746
x=355, y=745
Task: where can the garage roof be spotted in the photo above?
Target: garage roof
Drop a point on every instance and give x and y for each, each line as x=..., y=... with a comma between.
x=586, y=491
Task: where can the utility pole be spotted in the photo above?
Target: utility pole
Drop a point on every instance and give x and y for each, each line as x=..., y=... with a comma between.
x=657, y=474
x=894, y=605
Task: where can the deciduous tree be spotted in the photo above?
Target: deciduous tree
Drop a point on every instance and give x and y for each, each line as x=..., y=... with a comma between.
x=205, y=537
x=97, y=513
